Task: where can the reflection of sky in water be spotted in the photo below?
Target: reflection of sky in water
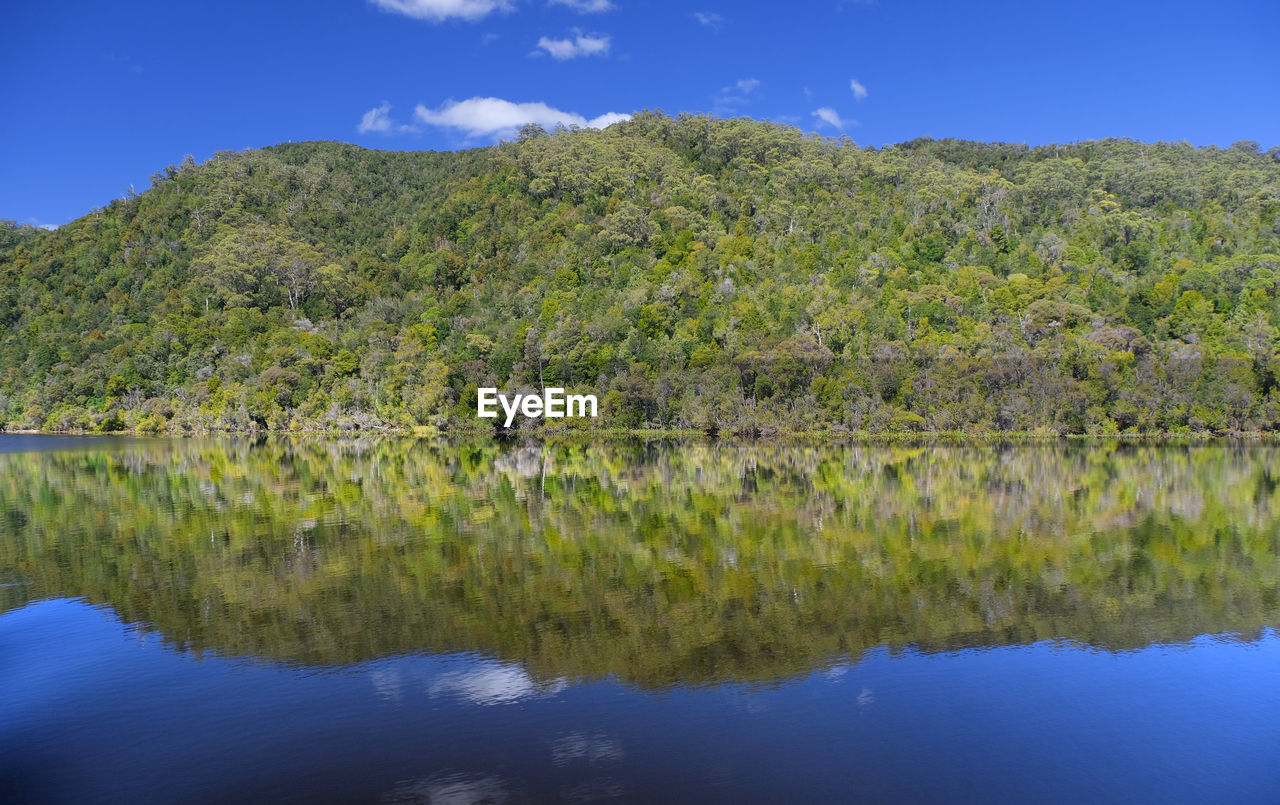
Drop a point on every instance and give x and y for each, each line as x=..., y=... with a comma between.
x=492, y=683
x=101, y=710
x=451, y=790
x=592, y=748
x=477, y=681
x=387, y=681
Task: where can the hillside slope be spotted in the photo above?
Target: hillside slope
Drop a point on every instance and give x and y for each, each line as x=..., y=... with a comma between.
x=692, y=272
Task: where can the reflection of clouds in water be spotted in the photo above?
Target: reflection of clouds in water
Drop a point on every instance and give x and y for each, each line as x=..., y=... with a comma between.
x=576, y=748
x=387, y=683
x=581, y=746
x=455, y=789
x=478, y=682
x=492, y=683
x=836, y=673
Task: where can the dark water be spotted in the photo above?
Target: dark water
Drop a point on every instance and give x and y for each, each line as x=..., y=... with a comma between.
x=401, y=622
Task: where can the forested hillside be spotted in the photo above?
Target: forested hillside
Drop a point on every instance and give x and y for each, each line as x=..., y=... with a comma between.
x=724, y=275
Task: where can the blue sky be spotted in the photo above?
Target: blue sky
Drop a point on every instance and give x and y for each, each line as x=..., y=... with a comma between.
x=99, y=96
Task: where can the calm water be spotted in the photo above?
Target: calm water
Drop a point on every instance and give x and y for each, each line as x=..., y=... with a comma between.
x=396, y=621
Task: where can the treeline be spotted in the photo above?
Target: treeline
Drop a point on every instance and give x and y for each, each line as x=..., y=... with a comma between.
x=723, y=275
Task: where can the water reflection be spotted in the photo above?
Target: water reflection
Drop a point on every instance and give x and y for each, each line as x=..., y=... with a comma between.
x=577, y=746
x=493, y=683
x=451, y=789
x=96, y=714
x=655, y=564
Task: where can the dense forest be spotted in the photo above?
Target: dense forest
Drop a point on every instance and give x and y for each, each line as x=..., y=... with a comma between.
x=657, y=564
x=730, y=276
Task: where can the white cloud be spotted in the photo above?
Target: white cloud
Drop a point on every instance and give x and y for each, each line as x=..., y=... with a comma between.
x=489, y=117
x=376, y=119
x=579, y=45
x=730, y=98
x=859, y=91
x=832, y=118
x=607, y=119
x=437, y=10
x=586, y=6
x=709, y=19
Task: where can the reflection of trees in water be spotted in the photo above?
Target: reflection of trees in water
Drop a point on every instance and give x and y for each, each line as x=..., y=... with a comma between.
x=658, y=563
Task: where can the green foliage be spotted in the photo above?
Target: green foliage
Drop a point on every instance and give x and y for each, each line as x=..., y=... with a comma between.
x=111, y=424
x=697, y=273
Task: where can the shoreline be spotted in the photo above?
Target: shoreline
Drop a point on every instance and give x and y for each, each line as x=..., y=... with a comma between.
x=958, y=438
